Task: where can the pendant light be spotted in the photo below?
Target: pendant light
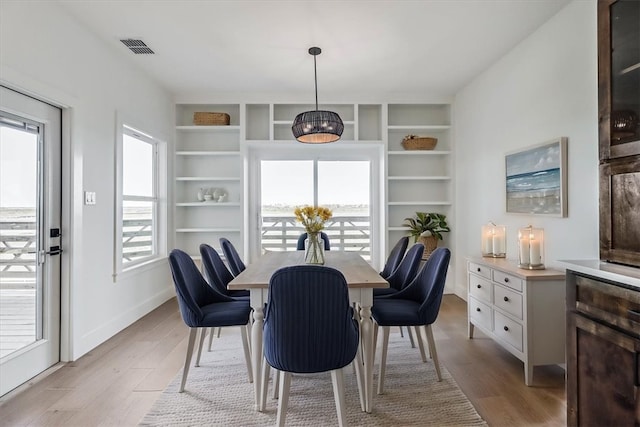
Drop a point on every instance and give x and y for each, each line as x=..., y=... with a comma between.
x=317, y=126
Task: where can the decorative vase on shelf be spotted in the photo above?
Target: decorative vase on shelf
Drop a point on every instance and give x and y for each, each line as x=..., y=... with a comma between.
x=314, y=249
x=200, y=194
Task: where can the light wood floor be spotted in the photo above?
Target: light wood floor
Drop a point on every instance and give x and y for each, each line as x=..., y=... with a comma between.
x=118, y=382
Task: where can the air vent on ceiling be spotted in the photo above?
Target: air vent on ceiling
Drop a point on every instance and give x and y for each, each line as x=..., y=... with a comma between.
x=137, y=46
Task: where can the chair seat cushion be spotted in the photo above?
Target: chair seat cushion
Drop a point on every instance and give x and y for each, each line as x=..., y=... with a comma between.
x=396, y=312
x=236, y=294
x=235, y=313
x=384, y=291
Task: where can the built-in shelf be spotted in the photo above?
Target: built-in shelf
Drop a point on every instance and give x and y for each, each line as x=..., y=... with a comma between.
x=207, y=230
x=209, y=204
x=194, y=128
x=419, y=203
x=207, y=178
x=207, y=153
x=419, y=153
x=419, y=178
x=419, y=127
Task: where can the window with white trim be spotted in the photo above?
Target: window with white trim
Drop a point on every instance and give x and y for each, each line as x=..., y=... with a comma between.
x=137, y=213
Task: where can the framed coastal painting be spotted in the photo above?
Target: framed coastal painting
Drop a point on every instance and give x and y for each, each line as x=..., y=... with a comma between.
x=536, y=179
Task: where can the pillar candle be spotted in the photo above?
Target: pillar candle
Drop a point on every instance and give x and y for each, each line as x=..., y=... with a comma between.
x=487, y=244
x=525, y=256
x=534, y=252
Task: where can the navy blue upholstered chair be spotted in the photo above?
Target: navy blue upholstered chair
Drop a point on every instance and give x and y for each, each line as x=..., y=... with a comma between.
x=395, y=256
x=309, y=327
x=323, y=236
x=217, y=273
x=416, y=305
x=202, y=306
x=405, y=273
x=233, y=257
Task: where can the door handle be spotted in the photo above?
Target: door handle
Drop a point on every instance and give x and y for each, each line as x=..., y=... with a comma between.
x=54, y=250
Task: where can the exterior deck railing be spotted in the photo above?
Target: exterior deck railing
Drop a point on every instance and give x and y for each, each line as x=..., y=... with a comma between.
x=347, y=233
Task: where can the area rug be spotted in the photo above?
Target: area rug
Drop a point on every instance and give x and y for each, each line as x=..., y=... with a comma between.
x=218, y=393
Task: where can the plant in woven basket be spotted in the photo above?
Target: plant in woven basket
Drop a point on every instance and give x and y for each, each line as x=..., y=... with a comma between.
x=426, y=224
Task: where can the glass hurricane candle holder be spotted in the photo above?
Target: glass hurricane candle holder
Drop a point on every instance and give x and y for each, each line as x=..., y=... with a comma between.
x=494, y=240
x=531, y=248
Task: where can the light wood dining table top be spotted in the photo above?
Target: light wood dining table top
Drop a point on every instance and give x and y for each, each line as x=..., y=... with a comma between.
x=357, y=272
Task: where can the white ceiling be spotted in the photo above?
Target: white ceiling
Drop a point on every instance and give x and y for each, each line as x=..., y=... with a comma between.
x=369, y=46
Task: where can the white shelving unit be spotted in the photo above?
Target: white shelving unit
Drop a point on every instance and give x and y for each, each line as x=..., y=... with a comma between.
x=215, y=156
x=207, y=157
x=417, y=180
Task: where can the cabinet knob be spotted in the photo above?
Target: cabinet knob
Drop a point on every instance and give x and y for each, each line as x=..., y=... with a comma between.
x=506, y=279
x=477, y=308
x=506, y=299
x=479, y=286
x=479, y=269
x=506, y=328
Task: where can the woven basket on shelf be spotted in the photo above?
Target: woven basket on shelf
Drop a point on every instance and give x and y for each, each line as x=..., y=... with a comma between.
x=210, y=119
x=419, y=143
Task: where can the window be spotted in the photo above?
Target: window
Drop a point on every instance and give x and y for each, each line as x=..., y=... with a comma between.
x=138, y=214
x=343, y=182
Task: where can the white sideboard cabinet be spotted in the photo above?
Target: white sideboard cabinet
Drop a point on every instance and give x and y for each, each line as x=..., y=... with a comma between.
x=522, y=310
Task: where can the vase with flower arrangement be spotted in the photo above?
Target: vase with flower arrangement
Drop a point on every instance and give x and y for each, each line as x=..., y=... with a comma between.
x=313, y=219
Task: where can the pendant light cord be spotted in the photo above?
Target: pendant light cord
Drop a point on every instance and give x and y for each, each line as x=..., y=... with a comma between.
x=315, y=79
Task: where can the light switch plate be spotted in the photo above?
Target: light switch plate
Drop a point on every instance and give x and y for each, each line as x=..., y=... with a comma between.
x=89, y=197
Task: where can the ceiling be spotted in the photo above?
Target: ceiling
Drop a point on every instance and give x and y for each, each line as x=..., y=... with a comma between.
x=368, y=46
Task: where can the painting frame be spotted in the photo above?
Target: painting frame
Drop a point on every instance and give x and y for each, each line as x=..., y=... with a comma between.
x=536, y=179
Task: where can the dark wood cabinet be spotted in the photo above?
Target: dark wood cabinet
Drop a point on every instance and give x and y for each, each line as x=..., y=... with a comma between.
x=619, y=130
x=603, y=352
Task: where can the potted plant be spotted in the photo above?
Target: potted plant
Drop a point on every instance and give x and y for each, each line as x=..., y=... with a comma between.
x=427, y=227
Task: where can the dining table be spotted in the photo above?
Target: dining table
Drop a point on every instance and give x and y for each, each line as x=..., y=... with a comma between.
x=361, y=279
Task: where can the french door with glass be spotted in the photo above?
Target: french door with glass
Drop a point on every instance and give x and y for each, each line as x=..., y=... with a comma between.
x=30, y=237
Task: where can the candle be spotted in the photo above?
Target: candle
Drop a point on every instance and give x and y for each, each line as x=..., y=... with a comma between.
x=487, y=244
x=525, y=256
x=498, y=243
x=534, y=252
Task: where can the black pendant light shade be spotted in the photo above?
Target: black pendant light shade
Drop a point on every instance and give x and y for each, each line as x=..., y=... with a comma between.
x=317, y=126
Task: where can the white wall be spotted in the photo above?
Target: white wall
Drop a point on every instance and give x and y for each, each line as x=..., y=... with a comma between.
x=49, y=54
x=544, y=88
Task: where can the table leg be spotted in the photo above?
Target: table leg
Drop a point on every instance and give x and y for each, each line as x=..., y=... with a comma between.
x=256, y=354
x=366, y=332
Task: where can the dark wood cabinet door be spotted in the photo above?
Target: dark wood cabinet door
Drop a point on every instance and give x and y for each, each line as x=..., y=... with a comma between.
x=619, y=78
x=603, y=384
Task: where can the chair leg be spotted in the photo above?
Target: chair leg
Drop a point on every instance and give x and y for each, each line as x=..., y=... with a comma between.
x=203, y=333
x=247, y=355
x=432, y=350
x=192, y=340
x=283, y=401
x=248, y=331
x=276, y=383
x=420, y=343
x=383, y=358
x=219, y=330
x=337, y=379
x=211, y=332
x=266, y=368
x=413, y=344
x=358, y=365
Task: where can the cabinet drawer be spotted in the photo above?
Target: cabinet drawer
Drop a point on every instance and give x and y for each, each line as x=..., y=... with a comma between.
x=612, y=304
x=508, y=280
x=508, y=330
x=480, y=288
x=480, y=314
x=508, y=300
x=480, y=270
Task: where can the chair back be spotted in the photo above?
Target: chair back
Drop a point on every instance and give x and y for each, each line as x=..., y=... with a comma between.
x=408, y=268
x=395, y=256
x=323, y=236
x=428, y=287
x=215, y=271
x=233, y=257
x=309, y=325
x=192, y=289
